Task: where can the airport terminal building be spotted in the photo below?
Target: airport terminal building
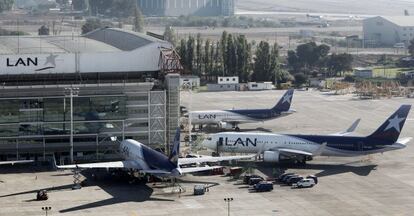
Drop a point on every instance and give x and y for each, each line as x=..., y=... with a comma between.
x=98, y=88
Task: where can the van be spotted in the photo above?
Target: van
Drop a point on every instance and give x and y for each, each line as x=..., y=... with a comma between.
x=305, y=183
x=263, y=186
x=253, y=181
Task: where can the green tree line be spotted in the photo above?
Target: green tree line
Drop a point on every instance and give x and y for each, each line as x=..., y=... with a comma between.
x=232, y=55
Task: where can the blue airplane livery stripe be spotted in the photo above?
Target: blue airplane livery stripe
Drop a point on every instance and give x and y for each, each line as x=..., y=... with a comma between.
x=387, y=134
x=157, y=160
x=345, y=142
x=283, y=105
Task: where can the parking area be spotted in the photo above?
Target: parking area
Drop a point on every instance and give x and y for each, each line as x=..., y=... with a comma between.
x=378, y=185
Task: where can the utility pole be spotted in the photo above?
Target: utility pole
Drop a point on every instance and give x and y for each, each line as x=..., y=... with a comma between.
x=71, y=92
x=228, y=200
x=46, y=209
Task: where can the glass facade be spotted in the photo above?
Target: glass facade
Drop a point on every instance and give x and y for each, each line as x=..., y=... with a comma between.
x=41, y=124
x=50, y=116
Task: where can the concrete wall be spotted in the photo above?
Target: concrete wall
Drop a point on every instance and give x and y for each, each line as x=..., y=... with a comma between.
x=223, y=87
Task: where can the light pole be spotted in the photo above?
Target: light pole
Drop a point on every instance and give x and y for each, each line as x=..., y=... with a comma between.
x=71, y=92
x=189, y=87
x=46, y=209
x=228, y=200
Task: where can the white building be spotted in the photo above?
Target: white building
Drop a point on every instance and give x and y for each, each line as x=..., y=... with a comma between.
x=254, y=86
x=228, y=80
x=189, y=81
x=388, y=30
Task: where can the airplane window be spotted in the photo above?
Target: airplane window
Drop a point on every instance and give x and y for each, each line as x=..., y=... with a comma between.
x=208, y=138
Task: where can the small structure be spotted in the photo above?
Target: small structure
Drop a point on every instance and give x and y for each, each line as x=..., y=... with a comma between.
x=317, y=82
x=363, y=72
x=190, y=80
x=228, y=80
x=225, y=84
x=388, y=30
x=254, y=86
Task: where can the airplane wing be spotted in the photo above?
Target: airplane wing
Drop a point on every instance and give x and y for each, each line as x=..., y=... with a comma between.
x=404, y=140
x=349, y=130
x=198, y=169
x=318, y=151
x=294, y=151
x=16, y=162
x=102, y=165
x=183, y=161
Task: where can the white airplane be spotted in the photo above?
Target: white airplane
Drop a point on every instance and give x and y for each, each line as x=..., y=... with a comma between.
x=276, y=147
x=16, y=162
x=140, y=158
x=228, y=119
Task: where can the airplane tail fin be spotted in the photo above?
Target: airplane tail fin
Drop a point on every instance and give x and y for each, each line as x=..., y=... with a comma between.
x=390, y=130
x=175, y=151
x=284, y=103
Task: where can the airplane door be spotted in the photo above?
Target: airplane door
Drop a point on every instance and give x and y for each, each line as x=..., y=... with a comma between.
x=219, y=143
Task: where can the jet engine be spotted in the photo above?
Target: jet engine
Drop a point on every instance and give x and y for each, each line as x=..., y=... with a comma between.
x=225, y=125
x=271, y=156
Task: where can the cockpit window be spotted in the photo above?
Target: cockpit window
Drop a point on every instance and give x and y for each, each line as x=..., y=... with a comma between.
x=208, y=138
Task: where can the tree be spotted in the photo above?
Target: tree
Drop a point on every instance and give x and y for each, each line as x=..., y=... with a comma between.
x=138, y=19
x=169, y=35
x=223, y=49
x=307, y=54
x=207, y=57
x=308, y=57
x=199, y=54
x=231, y=56
x=190, y=54
x=243, y=49
x=300, y=79
x=411, y=47
x=293, y=61
x=6, y=5
x=274, y=62
x=90, y=25
x=339, y=63
x=182, y=51
x=261, y=68
x=43, y=30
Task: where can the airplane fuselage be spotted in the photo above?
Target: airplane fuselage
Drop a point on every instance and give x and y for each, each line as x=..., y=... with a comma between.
x=237, y=116
x=144, y=157
x=341, y=146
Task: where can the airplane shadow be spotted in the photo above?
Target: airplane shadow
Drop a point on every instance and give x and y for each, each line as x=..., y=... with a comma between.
x=120, y=190
x=329, y=170
x=24, y=168
x=326, y=169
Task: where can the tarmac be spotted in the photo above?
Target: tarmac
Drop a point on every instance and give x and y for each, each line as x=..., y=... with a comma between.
x=381, y=184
